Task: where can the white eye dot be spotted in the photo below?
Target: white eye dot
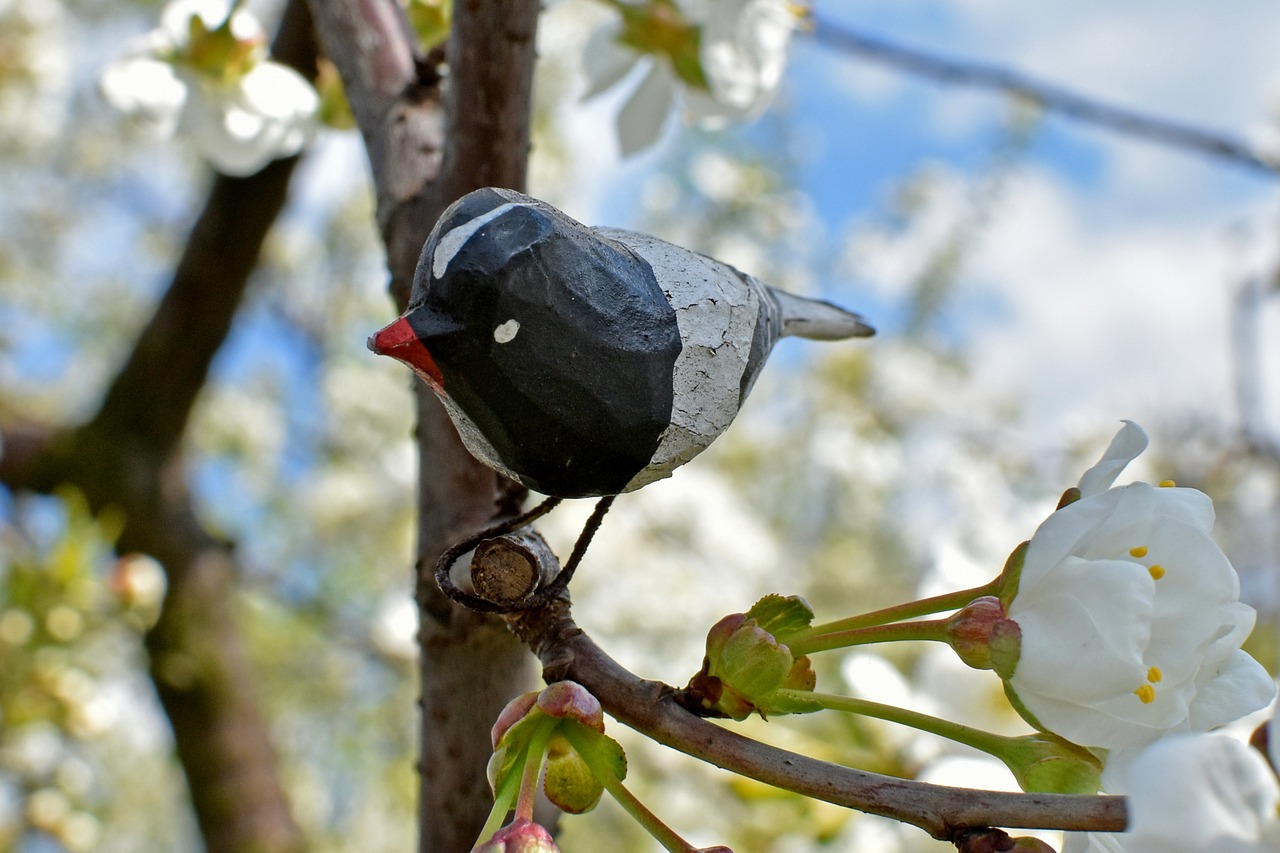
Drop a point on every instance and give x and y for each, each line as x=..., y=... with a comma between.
x=504, y=333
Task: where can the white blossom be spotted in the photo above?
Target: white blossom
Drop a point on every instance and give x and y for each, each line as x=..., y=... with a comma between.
x=740, y=56
x=207, y=78
x=744, y=52
x=1130, y=618
x=1201, y=793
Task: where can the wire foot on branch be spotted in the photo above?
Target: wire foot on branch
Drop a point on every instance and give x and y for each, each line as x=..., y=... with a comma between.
x=514, y=569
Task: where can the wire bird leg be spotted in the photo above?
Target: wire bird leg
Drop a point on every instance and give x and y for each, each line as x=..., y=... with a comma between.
x=553, y=590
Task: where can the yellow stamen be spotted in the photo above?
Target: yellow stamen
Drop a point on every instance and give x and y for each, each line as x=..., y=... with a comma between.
x=1140, y=551
x=1146, y=694
x=1157, y=572
x=1167, y=484
x=1154, y=675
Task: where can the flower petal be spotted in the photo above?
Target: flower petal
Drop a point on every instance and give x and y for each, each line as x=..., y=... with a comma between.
x=239, y=128
x=1238, y=686
x=175, y=20
x=1129, y=442
x=1084, y=631
x=744, y=52
x=605, y=61
x=1201, y=793
x=146, y=90
x=642, y=118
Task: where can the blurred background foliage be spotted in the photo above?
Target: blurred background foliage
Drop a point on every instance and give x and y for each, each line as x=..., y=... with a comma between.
x=858, y=476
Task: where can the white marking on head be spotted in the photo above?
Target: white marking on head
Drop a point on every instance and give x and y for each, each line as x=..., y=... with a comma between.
x=452, y=242
x=506, y=332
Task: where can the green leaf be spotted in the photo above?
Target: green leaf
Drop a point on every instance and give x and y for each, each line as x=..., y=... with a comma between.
x=782, y=616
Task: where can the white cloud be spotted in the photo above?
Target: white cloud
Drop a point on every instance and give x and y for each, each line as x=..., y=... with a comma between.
x=1130, y=320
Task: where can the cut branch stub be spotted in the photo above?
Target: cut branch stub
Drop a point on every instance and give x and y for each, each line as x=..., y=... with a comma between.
x=508, y=569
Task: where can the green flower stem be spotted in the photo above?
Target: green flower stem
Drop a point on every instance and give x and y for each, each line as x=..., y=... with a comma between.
x=581, y=740
x=899, y=612
x=532, y=768
x=807, y=643
x=519, y=787
x=993, y=744
x=502, y=800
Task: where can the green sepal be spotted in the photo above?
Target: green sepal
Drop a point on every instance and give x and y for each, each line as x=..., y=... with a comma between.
x=1011, y=575
x=600, y=751
x=217, y=53
x=661, y=29
x=1047, y=764
x=515, y=745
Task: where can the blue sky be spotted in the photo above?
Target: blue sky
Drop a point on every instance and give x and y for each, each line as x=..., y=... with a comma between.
x=1100, y=289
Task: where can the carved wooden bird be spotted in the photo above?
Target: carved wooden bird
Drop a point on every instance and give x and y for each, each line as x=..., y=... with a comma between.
x=587, y=361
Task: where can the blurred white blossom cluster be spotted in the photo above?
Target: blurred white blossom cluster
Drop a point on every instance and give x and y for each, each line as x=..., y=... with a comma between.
x=203, y=74
x=721, y=59
x=71, y=693
x=35, y=72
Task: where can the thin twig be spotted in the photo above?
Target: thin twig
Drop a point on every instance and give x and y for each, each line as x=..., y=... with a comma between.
x=649, y=708
x=1048, y=96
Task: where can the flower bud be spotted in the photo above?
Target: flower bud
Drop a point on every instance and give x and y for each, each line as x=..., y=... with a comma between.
x=1004, y=647
x=520, y=836
x=517, y=709
x=139, y=581
x=969, y=630
x=720, y=633
x=753, y=661
x=568, y=782
x=1045, y=763
x=570, y=700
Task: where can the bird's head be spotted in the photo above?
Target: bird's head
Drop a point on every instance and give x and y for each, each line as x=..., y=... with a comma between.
x=467, y=291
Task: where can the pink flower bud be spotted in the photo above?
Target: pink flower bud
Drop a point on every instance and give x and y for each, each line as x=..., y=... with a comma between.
x=517, y=709
x=720, y=633
x=520, y=836
x=570, y=700
x=970, y=630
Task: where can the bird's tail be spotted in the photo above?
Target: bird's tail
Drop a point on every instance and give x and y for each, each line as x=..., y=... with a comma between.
x=817, y=319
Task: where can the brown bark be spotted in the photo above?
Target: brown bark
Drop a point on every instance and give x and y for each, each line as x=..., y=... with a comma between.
x=425, y=151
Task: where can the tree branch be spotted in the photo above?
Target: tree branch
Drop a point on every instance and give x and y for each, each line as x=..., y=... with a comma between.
x=425, y=151
x=648, y=707
x=129, y=455
x=1048, y=96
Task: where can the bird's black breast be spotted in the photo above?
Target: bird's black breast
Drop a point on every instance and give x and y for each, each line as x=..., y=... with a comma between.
x=566, y=351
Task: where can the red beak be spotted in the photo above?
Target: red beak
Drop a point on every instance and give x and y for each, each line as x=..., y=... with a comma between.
x=399, y=341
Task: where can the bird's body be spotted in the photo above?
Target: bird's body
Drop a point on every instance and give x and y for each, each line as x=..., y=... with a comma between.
x=587, y=361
